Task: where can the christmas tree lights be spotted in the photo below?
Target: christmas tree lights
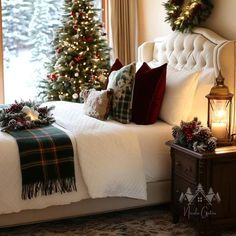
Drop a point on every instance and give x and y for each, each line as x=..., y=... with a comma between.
x=80, y=56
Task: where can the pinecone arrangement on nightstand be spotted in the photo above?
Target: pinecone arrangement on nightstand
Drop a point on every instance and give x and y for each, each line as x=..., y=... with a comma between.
x=194, y=136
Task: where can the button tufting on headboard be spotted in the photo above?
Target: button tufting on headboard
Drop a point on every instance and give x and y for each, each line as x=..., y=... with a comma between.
x=201, y=50
x=192, y=51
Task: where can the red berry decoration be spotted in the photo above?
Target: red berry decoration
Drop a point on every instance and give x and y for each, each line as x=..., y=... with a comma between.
x=194, y=136
x=15, y=116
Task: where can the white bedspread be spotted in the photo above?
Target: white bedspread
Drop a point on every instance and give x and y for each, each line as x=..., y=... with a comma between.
x=109, y=156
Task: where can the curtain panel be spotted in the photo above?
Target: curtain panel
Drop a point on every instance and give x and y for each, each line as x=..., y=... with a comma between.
x=123, y=18
x=1, y=60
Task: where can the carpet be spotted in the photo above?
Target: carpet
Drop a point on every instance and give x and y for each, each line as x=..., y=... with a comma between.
x=152, y=221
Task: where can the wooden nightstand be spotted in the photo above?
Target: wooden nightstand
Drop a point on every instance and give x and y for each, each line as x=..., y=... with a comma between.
x=212, y=204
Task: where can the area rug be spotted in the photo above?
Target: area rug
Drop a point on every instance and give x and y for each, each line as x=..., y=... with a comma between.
x=152, y=221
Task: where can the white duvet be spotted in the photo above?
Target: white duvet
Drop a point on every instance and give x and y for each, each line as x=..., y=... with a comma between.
x=108, y=162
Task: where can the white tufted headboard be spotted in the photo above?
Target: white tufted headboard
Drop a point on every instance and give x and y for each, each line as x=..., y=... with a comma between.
x=201, y=49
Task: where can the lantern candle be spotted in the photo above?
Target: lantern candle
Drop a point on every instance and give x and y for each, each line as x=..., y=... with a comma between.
x=219, y=130
x=219, y=112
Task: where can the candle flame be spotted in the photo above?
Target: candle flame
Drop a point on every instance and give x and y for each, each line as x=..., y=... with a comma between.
x=220, y=114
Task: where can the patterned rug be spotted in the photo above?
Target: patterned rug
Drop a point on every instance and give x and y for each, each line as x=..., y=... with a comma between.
x=142, y=222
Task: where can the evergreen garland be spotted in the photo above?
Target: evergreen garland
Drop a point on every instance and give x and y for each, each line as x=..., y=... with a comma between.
x=184, y=15
x=194, y=136
x=25, y=115
x=80, y=55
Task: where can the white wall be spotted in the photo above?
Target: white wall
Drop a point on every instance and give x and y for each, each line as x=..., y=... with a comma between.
x=152, y=15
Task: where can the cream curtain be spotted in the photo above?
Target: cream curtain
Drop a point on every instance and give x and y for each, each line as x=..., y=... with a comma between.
x=123, y=19
x=1, y=61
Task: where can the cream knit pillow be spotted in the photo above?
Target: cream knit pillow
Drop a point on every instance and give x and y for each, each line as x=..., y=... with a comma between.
x=179, y=94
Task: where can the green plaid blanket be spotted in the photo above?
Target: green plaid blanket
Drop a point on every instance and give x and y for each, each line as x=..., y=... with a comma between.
x=46, y=158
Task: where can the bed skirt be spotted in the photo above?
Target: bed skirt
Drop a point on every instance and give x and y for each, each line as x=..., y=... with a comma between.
x=158, y=193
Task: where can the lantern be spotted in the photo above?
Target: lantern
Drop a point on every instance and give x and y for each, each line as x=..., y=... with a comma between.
x=219, y=112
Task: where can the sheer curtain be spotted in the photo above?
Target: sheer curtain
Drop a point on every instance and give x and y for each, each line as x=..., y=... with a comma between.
x=123, y=19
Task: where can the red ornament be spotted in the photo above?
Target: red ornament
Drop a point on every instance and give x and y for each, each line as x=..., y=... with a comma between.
x=58, y=50
x=75, y=27
x=81, y=14
x=72, y=14
x=78, y=58
x=97, y=56
x=52, y=77
x=88, y=39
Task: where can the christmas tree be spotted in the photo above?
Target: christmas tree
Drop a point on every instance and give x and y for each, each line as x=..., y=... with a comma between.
x=80, y=55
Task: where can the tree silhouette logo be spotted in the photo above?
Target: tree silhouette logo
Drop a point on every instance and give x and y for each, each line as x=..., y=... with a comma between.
x=199, y=203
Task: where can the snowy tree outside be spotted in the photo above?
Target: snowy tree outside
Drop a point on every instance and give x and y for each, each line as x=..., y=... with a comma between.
x=28, y=30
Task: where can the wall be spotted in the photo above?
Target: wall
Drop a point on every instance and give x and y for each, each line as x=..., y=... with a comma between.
x=152, y=15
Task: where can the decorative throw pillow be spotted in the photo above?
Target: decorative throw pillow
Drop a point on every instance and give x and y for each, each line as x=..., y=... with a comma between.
x=116, y=66
x=121, y=82
x=179, y=94
x=149, y=91
x=97, y=104
x=83, y=95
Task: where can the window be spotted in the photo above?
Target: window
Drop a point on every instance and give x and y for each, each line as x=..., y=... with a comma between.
x=28, y=27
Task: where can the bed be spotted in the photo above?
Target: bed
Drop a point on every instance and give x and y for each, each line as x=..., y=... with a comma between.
x=201, y=51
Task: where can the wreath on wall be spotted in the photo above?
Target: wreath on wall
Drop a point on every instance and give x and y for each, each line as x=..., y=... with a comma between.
x=184, y=15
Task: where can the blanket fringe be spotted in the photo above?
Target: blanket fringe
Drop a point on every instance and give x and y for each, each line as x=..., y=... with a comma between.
x=48, y=187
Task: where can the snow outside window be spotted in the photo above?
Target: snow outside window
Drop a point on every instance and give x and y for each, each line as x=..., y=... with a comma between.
x=28, y=28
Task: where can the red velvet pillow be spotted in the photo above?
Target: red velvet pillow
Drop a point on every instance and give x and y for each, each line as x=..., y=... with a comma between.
x=148, y=94
x=116, y=66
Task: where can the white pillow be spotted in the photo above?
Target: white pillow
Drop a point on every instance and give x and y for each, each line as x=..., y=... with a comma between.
x=206, y=81
x=179, y=94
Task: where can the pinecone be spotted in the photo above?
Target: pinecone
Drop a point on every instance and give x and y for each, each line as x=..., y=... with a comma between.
x=175, y=131
x=12, y=123
x=211, y=144
x=202, y=134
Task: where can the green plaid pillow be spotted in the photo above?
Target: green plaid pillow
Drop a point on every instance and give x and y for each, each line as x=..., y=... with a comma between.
x=121, y=82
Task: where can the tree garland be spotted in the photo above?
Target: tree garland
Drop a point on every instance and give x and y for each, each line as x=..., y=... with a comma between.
x=25, y=115
x=184, y=15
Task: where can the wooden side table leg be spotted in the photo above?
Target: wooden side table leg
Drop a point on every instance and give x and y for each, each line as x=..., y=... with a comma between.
x=175, y=218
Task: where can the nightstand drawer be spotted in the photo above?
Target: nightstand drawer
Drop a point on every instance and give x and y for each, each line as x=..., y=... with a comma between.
x=186, y=167
x=181, y=186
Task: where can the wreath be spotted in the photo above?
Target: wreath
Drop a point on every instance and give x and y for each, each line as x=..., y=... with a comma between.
x=25, y=115
x=184, y=15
